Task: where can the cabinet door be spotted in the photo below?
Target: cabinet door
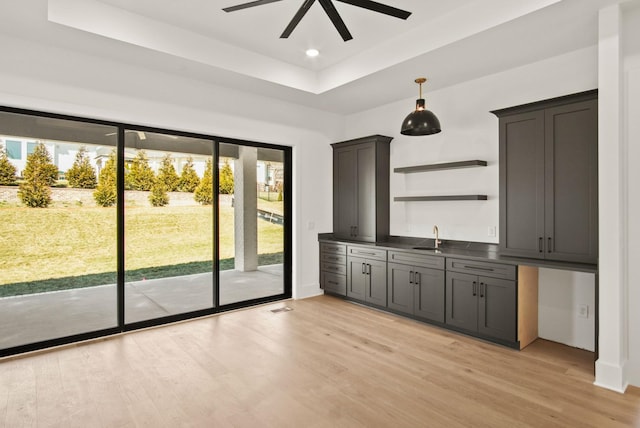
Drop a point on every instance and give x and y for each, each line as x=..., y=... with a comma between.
x=356, y=278
x=462, y=300
x=522, y=184
x=571, y=179
x=345, y=202
x=400, y=288
x=428, y=297
x=366, y=192
x=497, y=308
x=377, y=282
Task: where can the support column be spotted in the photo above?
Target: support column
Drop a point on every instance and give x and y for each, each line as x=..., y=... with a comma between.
x=246, y=209
x=612, y=343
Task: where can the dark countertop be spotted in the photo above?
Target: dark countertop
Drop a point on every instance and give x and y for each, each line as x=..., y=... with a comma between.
x=462, y=249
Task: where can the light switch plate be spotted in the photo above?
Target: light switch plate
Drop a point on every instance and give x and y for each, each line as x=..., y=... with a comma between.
x=491, y=231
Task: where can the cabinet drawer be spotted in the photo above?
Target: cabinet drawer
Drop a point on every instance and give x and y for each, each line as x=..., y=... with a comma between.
x=493, y=270
x=334, y=268
x=326, y=247
x=414, y=259
x=367, y=252
x=334, y=283
x=334, y=258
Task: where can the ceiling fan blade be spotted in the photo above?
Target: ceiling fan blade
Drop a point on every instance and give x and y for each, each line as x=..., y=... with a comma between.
x=379, y=7
x=247, y=5
x=335, y=18
x=296, y=18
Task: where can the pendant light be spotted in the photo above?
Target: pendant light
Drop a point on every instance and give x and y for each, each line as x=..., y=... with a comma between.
x=421, y=121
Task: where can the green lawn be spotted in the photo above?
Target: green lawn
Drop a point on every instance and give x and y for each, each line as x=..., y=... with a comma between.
x=77, y=245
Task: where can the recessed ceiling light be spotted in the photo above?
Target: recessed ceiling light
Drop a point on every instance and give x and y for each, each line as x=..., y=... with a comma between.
x=312, y=53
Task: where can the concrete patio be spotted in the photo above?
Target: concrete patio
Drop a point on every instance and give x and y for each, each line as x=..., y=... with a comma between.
x=37, y=317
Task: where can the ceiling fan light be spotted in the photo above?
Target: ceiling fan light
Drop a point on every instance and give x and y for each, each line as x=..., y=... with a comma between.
x=421, y=121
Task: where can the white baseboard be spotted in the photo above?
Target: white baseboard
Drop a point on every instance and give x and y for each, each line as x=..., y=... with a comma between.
x=307, y=290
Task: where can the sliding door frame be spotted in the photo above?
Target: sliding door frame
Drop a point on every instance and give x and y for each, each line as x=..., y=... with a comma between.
x=120, y=237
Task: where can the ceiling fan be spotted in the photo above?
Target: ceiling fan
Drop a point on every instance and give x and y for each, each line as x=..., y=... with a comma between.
x=330, y=10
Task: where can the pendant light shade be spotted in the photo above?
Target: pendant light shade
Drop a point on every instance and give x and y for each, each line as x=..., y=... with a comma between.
x=421, y=121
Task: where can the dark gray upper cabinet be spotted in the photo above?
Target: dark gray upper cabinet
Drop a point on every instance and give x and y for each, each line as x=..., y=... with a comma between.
x=361, y=189
x=549, y=179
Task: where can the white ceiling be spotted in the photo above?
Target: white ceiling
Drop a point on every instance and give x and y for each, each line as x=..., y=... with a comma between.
x=447, y=41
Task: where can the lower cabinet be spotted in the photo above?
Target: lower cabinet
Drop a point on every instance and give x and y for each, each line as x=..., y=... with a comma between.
x=482, y=305
x=416, y=291
x=367, y=280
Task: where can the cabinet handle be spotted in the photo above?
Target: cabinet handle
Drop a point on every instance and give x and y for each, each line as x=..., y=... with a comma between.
x=368, y=269
x=410, y=277
x=363, y=268
x=417, y=278
x=332, y=282
x=481, y=289
x=362, y=252
x=479, y=268
x=540, y=249
x=473, y=289
x=355, y=230
x=549, y=245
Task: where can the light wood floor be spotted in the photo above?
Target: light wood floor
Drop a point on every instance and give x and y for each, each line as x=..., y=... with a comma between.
x=326, y=363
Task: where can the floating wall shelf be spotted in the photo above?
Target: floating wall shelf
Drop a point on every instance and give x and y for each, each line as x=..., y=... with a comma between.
x=441, y=198
x=438, y=166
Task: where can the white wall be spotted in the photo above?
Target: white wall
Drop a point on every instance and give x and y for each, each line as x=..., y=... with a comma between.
x=470, y=131
x=559, y=294
x=631, y=68
x=53, y=79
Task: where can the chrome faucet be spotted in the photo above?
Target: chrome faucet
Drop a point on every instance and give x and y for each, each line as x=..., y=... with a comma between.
x=437, y=241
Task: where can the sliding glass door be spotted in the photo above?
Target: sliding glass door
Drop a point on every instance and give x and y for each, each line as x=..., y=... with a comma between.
x=168, y=225
x=58, y=245
x=107, y=228
x=252, y=222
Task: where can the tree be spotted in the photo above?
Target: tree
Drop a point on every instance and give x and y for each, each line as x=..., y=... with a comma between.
x=106, y=192
x=81, y=174
x=7, y=170
x=204, y=191
x=141, y=176
x=167, y=174
x=226, y=179
x=158, y=196
x=189, y=180
x=39, y=174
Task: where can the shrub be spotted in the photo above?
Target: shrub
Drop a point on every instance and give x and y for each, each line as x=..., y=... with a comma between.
x=141, y=176
x=189, y=180
x=82, y=175
x=39, y=174
x=168, y=175
x=226, y=179
x=204, y=192
x=158, y=196
x=7, y=170
x=105, y=193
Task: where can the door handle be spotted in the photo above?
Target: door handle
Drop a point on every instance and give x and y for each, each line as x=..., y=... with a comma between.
x=549, y=245
x=474, y=287
x=540, y=249
x=410, y=277
x=481, y=289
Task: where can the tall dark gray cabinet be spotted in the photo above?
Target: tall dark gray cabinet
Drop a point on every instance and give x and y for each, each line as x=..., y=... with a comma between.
x=549, y=179
x=361, y=189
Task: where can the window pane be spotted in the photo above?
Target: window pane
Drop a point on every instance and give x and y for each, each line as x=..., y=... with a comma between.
x=58, y=253
x=251, y=223
x=31, y=147
x=168, y=225
x=14, y=149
